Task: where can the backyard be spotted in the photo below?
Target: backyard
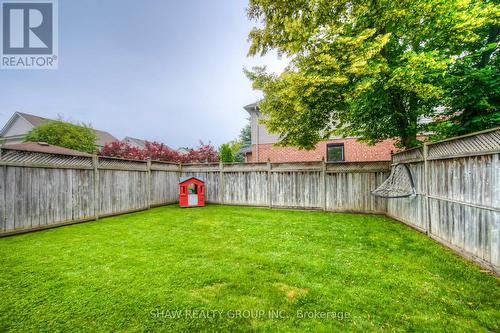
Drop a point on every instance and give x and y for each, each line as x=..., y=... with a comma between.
x=221, y=268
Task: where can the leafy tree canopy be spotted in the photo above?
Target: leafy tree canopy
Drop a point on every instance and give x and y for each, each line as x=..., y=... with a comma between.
x=360, y=68
x=79, y=137
x=473, y=91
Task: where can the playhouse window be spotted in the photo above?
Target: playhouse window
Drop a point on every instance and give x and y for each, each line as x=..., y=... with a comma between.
x=192, y=189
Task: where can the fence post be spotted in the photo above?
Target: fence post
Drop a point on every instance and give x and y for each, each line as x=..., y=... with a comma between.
x=426, y=189
x=179, y=175
x=221, y=182
x=269, y=186
x=323, y=185
x=148, y=182
x=3, y=217
x=95, y=164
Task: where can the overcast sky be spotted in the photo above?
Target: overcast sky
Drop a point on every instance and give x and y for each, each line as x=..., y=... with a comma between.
x=160, y=70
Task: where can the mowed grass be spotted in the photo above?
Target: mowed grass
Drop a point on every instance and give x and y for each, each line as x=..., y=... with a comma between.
x=240, y=269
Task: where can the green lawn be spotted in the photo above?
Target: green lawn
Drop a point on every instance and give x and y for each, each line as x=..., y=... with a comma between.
x=240, y=269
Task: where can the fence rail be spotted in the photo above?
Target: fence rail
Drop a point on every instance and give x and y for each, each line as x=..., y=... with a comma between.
x=457, y=183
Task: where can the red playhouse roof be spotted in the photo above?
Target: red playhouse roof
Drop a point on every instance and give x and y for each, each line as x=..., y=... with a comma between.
x=185, y=179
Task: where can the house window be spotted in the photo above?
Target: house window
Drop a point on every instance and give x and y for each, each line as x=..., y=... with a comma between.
x=335, y=152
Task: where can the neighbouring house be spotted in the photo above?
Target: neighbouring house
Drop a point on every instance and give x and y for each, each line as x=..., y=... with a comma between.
x=139, y=143
x=134, y=142
x=336, y=149
x=247, y=153
x=20, y=124
x=42, y=147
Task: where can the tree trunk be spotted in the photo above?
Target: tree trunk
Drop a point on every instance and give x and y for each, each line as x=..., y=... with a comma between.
x=406, y=119
x=408, y=141
x=492, y=37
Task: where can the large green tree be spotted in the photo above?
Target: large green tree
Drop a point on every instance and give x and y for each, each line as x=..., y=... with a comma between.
x=64, y=134
x=473, y=90
x=359, y=67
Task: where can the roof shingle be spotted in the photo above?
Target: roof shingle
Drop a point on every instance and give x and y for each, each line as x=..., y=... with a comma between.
x=41, y=147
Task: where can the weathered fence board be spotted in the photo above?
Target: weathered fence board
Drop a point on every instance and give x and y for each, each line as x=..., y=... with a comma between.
x=2, y=198
x=458, y=195
x=246, y=188
x=83, y=199
x=164, y=187
x=466, y=179
x=122, y=191
x=474, y=231
x=351, y=192
x=296, y=189
x=37, y=197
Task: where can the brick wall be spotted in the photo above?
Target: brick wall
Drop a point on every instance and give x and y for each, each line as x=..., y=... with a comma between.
x=354, y=151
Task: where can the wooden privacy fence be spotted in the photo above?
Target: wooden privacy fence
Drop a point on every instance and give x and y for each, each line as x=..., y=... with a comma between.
x=458, y=194
x=42, y=190
x=39, y=190
x=333, y=187
x=457, y=183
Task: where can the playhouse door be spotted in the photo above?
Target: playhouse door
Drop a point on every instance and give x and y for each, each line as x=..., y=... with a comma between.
x=192, y=199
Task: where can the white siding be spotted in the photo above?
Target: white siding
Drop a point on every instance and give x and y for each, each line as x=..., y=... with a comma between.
x=260, y=134
x=18, y=127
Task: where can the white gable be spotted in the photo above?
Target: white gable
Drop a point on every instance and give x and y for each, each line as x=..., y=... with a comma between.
x=19, y=126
